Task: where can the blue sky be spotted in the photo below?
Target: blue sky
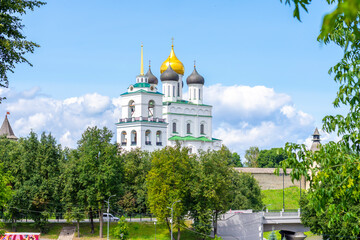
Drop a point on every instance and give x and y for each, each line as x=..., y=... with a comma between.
x=91, y=49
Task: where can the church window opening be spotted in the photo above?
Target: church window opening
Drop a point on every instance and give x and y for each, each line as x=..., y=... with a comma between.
x=194, y=94
x=174, y=127
x=168, y=94
x=148, y=137
x=199, y=94
x=202, y=129
x=158, y=138
x=151, y=106
x=173, y=91
x=131, y=108
x=178, y=89
x=123, y=139
x=133, y=138
x=188, y=128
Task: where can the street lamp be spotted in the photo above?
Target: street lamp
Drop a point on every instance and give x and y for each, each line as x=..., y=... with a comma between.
x=108, y=218
x=265, y=207
x=172, y=207
x=155, y=228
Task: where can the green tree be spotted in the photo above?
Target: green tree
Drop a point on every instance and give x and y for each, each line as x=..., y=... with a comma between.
x=36, y=172
x=136, y=166
x=245, y=191
x=236, y=160
x=272, y=235
x=211, y=188
x=251, y=156
x=271, y=158
x=167, y=182
x=73, y=204
x=122, y=229
x=99, y=170
x=333, y=170
x=13, y=43
x=9, y=158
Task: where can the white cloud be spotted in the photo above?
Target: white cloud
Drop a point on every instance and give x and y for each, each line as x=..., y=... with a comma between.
x=244, y=102
x=243, y=116
x=65, y=119
x=256, y=116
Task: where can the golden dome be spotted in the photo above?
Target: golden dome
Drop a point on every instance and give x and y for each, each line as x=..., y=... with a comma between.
x=175, y=63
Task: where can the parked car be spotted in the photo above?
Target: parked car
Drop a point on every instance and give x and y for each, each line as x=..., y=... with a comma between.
x=109, y=216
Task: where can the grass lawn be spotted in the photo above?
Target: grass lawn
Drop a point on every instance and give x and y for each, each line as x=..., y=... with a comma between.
x=138, y=231
x=54, y=229
x=275, y=198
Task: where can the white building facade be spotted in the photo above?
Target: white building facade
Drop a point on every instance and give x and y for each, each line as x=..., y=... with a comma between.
x=151, y=120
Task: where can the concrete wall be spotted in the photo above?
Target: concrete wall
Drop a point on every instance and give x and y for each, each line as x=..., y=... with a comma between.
x=241, y=226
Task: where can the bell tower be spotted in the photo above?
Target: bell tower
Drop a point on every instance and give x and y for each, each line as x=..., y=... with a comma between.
x=141, y=123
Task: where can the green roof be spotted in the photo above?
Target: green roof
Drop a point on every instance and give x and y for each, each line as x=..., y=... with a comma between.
x=141, y=85
x=190, y=138
x=185, y=102
x=139, y=91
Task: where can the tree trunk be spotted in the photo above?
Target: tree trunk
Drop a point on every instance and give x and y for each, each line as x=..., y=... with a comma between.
x=78, y=228
x=101, y=223
x=178, y=237
x=13, y=224
x=92, y=222
x=215, y=222
x=168, y=224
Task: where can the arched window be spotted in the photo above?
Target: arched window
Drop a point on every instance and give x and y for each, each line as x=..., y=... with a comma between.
x=174, y=127
x=199, y=94
x=202, y=129
x=123, y=138
x=188, y=128
x=168, y=94
x=178, y=85
x=158, y=138
x=147, y=137
x=194, y=94
x=173, y=91
x=131, y=108
x=151, y=106
x=133, y=138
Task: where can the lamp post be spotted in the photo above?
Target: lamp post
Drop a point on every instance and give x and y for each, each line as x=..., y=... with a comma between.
x=172, y=208
x=108, y=218
x=283, y=190
x=155, y=228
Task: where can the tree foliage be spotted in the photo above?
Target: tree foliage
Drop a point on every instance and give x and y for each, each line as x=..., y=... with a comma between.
x=251, y=156
x=136, y=165
x=34, y=165
x=271, y=158
x=332, y=202
x=13, y=43
x=167, y=182
x=98, y=167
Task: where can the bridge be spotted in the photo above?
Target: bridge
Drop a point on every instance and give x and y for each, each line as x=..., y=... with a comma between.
x=250, y=226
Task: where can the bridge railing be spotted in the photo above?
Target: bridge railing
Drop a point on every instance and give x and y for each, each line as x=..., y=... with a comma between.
x=282, y=213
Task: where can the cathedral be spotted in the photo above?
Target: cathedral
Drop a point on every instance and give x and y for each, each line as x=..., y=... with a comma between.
x=151, y=119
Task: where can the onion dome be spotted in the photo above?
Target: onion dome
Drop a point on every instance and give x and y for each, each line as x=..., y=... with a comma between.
x=169, y=75
x=151, y=78
x=175, y=63
x=195, y=78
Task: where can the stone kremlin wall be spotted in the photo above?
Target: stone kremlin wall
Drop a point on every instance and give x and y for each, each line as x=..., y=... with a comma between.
x=268, y=180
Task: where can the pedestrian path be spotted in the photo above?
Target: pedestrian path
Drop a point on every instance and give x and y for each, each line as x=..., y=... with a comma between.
x=67, y=233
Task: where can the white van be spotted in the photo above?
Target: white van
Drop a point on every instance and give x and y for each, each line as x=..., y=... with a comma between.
x=109, y=216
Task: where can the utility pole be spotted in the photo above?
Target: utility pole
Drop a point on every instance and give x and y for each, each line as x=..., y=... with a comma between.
x=108, y=218
x=172, y=220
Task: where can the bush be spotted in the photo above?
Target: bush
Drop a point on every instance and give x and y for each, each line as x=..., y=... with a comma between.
x=122, y=229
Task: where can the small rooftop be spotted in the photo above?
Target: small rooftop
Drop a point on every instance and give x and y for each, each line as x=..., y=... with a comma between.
x=7, y=130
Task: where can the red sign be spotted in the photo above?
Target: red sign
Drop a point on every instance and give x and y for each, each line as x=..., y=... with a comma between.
x=20, y=236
